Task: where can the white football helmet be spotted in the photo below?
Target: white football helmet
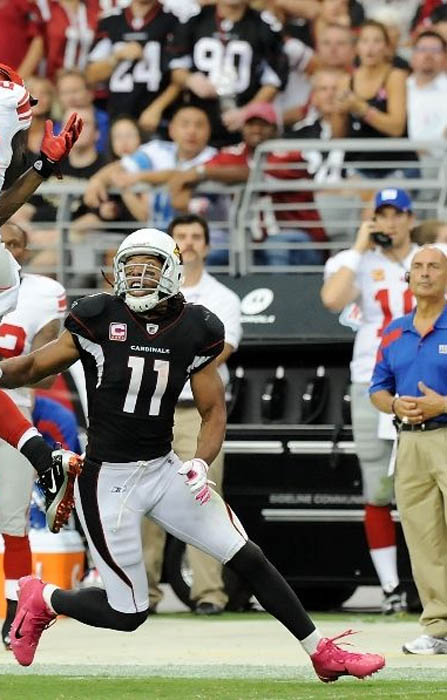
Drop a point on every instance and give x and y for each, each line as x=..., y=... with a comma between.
x=131, y=279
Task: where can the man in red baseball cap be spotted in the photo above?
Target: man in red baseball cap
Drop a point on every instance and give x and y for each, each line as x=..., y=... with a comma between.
x=292, y=223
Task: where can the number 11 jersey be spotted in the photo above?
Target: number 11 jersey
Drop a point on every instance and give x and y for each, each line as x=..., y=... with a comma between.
x=135, y=369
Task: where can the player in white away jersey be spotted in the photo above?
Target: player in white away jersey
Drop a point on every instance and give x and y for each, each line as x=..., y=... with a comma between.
x=372, y=274
x=32, y=324
x=36, y=320
x=15, y=119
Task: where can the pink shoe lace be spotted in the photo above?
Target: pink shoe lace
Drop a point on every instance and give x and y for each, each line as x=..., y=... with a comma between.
x=331, y=662
x=347, y=633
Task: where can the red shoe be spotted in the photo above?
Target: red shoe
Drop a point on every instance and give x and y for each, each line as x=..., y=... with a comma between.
x=32, y=618
x=330, y=662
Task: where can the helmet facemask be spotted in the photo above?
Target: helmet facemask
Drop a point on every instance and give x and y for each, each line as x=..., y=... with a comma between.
x=145, y=282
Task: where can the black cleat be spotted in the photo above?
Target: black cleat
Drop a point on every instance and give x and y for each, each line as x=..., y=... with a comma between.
x=57, y=483
x=11, y=607
x=394, y=601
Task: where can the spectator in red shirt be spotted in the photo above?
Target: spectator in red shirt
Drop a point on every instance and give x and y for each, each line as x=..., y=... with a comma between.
x=21, y=42
x=68, y=33
x=232, y=164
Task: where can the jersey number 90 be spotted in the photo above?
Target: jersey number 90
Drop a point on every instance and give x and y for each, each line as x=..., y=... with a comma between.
x=214, y=58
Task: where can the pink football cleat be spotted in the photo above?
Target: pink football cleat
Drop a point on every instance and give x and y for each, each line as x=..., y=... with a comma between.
x=32, y=618
x=330, y=661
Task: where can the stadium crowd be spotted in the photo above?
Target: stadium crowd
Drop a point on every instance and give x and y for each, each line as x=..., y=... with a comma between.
x=177, y=93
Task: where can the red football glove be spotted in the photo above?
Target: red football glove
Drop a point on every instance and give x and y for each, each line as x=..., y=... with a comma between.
x=54, y=149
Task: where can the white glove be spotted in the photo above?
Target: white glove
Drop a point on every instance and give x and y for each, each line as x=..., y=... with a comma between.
x=196, y=471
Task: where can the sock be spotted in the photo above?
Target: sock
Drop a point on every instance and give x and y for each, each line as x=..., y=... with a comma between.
x=379, y=527
x=272, y=590
x=90, y=606
x=38, y=453
x=310, y=643
x=13, y=424
x=381, y=535
x=47, y=592
x=16, y=562
x=385, y=564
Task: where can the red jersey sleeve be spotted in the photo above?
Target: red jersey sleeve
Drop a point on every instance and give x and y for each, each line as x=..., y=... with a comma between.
x=232, y=155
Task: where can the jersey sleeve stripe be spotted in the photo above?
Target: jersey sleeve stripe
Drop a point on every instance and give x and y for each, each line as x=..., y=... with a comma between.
x=213, y=345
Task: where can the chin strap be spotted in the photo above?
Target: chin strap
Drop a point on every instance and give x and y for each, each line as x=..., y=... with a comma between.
x=106, y=278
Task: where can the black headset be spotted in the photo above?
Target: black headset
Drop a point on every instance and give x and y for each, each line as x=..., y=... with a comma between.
x=407, y=276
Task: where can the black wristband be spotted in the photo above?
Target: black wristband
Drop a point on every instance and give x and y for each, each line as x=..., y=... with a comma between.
x=44, y=166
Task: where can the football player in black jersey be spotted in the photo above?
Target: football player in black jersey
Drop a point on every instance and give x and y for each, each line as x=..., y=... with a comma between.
x=138, y=347
x=227, y=56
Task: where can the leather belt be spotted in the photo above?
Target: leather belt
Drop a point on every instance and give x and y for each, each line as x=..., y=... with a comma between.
x=428, y=425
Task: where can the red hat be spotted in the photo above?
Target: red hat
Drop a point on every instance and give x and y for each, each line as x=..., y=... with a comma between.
x=261, y=110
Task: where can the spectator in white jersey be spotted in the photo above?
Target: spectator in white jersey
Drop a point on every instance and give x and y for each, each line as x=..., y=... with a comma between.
x=372, y=274
x=427, y=88
x=191, y=233
x=156, y=162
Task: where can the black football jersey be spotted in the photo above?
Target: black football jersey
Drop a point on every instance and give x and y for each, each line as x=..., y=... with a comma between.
x=252, y=47
x=135, y=369
x=133, y=85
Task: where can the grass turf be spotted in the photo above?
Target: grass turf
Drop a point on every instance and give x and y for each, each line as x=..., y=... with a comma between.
x=99, y=688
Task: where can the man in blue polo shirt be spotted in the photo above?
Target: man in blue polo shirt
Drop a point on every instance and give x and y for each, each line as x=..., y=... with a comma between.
x=410, y=380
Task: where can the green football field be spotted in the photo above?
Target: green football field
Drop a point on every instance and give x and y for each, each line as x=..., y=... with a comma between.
x=99, y=688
